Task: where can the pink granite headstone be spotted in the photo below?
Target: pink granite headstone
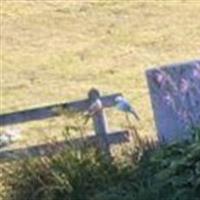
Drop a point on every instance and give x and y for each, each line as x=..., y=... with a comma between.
x=175, y=97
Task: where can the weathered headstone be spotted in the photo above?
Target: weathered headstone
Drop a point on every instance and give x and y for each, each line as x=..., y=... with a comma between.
x=175, y=96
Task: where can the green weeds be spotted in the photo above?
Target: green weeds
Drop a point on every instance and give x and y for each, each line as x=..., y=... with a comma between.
x=170, y=172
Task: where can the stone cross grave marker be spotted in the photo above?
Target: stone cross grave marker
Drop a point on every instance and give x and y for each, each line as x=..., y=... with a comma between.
x=175, y=97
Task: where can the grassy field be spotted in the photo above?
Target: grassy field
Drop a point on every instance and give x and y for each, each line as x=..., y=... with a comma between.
x=55, y=51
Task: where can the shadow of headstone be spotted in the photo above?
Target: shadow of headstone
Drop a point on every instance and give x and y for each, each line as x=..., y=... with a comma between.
x=175, y=97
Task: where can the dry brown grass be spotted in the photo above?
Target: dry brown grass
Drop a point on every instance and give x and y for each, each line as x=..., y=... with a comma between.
x=54, y=51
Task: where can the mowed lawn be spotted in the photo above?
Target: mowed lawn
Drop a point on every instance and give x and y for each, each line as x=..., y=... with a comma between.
x=55, y=51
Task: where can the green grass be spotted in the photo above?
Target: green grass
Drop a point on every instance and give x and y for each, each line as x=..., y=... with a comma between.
x=171, y=172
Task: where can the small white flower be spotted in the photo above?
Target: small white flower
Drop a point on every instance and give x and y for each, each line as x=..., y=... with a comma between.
x=4, y=139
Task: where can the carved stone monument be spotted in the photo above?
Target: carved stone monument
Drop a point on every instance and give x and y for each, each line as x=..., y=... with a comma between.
x=175, y=96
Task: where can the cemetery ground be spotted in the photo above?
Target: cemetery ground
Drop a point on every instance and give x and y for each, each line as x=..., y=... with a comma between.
x=53, y=51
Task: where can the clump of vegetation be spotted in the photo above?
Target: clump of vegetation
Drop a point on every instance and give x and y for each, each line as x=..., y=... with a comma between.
x=171, y=172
